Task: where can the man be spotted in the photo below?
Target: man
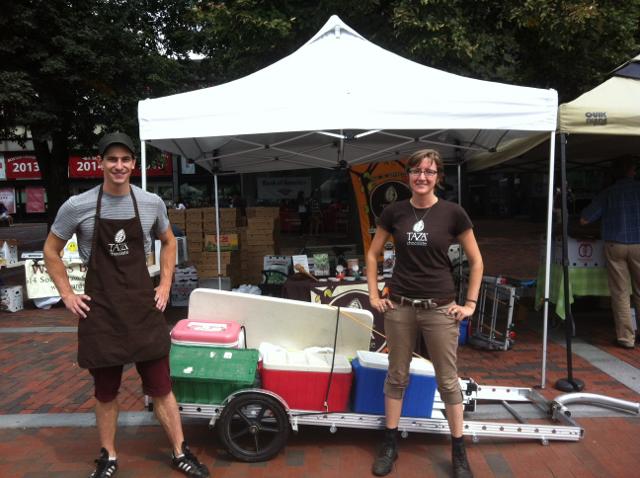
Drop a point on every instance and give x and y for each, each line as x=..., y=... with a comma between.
x=619, y=208
x=120, y=313
x=4, y=215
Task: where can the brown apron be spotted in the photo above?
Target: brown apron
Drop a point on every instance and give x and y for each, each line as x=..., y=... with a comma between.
x=123, y=325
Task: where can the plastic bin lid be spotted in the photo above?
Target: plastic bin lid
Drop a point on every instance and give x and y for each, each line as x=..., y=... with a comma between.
x=206, y=330
x=301, y=361
x=381, y=361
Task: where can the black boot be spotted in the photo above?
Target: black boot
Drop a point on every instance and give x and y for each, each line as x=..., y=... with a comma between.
x=387, y=454
x=461, y=468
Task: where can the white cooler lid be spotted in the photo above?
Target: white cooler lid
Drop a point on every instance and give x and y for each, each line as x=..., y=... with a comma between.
x=301, y=361
x=381, y=361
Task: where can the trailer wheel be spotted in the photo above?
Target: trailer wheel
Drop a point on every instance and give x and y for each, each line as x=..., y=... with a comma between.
x=253, y=427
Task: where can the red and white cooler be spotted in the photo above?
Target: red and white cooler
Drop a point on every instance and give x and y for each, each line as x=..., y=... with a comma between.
x=211, y=332
x=301, y=379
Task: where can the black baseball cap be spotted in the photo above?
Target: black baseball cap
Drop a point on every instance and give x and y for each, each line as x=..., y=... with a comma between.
x=110, y=139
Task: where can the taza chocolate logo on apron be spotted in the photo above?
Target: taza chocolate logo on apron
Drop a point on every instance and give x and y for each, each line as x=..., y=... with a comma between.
x=119, y=247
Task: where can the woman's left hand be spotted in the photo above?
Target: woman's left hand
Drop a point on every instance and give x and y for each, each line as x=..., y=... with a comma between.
x=459, y=312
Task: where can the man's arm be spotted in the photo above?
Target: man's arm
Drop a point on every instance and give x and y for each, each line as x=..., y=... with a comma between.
x=76, y=303
x=593, y=211
x=167, y=265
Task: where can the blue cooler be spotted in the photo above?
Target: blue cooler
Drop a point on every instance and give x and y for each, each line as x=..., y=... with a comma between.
x=370, y=371
x=464, y=332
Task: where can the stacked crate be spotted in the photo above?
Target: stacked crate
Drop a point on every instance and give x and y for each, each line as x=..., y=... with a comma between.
x=194, y=231
x=207, y=264
x=258, y=239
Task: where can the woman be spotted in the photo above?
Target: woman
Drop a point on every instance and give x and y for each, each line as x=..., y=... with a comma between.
x=422, y=296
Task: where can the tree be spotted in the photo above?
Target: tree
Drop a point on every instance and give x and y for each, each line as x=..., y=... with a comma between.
x=73, y=68
x=566, y=45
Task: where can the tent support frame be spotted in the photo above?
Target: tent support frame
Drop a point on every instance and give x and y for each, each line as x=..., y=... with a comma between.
x=547, y=270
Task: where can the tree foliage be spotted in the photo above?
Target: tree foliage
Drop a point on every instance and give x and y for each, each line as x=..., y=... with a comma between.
x=567, y=45
x=70, y=66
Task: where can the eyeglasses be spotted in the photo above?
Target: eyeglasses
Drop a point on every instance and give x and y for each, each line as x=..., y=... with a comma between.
x=427, y=172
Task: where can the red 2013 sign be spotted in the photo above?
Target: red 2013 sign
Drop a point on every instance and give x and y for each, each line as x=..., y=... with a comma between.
x=23, y=167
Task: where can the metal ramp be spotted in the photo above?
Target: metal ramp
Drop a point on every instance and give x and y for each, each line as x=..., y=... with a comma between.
x=564, y=427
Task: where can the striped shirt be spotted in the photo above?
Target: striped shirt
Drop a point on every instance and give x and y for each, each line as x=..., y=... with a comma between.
x=619, y=208
x=77, y=215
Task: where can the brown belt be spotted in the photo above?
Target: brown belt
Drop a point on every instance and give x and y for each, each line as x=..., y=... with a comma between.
x=421, y=303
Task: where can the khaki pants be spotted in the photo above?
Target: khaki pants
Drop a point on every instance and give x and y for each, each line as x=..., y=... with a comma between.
x=623, y=261
x=440, y=333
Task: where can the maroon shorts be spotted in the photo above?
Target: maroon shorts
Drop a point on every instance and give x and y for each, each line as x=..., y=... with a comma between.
x=156, y=381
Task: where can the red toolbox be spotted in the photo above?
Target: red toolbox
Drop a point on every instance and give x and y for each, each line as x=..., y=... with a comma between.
x=217, y=333
x=302, y=378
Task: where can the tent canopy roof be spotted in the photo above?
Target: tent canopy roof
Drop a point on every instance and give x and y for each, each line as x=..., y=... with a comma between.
x=341, y=97
x=604, y=120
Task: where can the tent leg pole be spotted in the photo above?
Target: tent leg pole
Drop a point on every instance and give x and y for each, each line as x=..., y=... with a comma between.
x=569, y=384
x=460, y=245
x=459, y=184
x=215, y=194
x=143, y=165
x=547, y=269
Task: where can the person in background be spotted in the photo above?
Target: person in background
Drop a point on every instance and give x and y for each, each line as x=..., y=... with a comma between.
x=180, y=204
x=619, y=208
x=315, y=220
x=120, y=314
x=422, y=298
x=4, y=215
x=303, y=211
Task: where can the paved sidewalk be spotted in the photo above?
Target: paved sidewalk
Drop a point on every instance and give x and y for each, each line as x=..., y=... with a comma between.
x=609, y=449
x=47, y=427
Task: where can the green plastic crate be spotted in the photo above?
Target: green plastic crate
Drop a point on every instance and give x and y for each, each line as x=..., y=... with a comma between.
x=210, y=374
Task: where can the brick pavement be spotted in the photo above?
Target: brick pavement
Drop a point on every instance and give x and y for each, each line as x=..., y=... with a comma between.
x=609, y=449
x=32, y=366
x=38, y=374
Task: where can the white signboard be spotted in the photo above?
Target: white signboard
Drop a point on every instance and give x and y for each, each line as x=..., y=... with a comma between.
x=187, y=167
x=3, y=168
x=284, y=187
x=40, y=284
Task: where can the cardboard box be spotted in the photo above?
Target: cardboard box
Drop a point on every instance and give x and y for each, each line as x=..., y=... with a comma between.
x=177, y=215
x=193, y=214
x=9, y=252
x=195, y=255
x=194, y=248
x=227, y=257
x=263, y=212
x=11, y=298
x=228, y=242
x=260, y=222
x=260, y=240
x=258, y=250
x=194, y=227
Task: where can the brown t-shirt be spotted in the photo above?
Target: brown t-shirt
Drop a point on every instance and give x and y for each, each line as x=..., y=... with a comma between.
x=422, y=269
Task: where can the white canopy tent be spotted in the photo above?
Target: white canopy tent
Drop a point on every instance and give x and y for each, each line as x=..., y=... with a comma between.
x=341, y=100
x=340, y=97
